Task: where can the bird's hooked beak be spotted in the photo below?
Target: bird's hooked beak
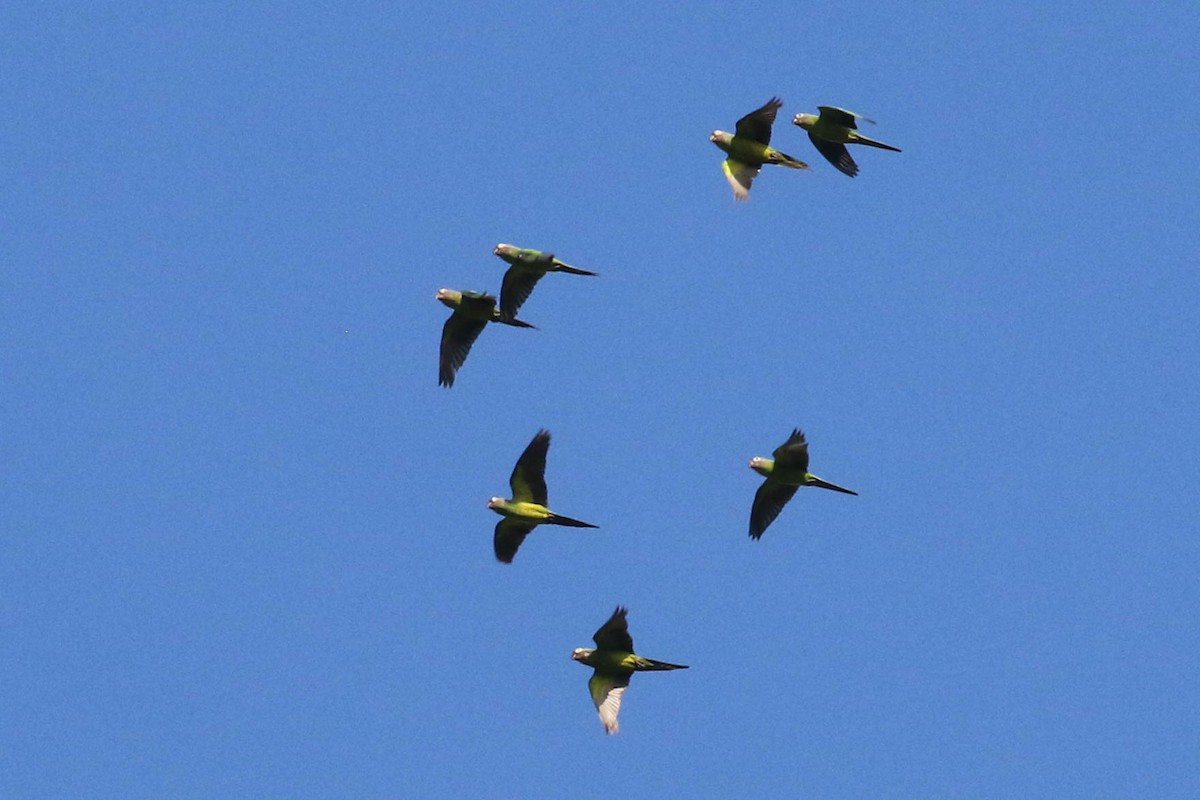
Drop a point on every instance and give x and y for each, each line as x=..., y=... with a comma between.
x=498, y=248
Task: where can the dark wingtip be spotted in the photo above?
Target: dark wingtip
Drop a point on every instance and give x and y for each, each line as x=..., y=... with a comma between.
x=756, y=531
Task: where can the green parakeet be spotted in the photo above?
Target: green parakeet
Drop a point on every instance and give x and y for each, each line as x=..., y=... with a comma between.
x=784, y=474
x=527, y=508
x=528, y=267
x=748, y=148
x=614, y=661
x=472, y=312
x=832, y=130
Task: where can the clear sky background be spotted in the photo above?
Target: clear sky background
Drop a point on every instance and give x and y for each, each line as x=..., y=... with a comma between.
x=245, y=550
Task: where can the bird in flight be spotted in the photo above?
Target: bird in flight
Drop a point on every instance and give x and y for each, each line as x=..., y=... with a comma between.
x=472, y=312
x=527, y=268
x=613, y=661
x=832, y=130
x=527, y=507
x=784, y=474
x=749, y=148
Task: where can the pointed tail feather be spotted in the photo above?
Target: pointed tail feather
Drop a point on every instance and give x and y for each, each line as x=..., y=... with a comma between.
x=559, y=519
x=860, y=139
x=783, y=159
x=650, y=665
x=516, y=323
x=824, y=484
x=561, y=267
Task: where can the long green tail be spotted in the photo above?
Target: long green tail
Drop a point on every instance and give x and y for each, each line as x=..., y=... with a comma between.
x=783, y=159
x=813, y=480
x=516, y=323
x=559, y=519
x=860, y=139
x=650, y=665
x=561, y=267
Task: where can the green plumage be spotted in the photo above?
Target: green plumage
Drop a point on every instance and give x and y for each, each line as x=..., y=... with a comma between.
x=832, y=130
x=527, y=507
x=784, y=474
x=614, y=661
x=472, y=312
x=749, y=148
x=527, y=268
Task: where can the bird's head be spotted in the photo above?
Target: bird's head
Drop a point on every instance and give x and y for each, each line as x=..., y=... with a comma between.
x=761, y=465
x=502, y=249
x=804, y=120
x=719, y=137
x=449, y=297
x=496, y=503
x=582, y=654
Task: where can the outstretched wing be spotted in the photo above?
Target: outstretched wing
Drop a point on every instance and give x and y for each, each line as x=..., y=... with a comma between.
x=835, y=153
x=793, y=453
x=757, y=124
x=769, y=500
x=508, y=537
x=840, y=116
x=740, y=176
x=606, y=692
x=517, y=286
x=614, y=634
x=528, y=479
x=458, y=334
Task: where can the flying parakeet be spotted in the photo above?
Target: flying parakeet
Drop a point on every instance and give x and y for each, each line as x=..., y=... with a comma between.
x=748, y=148
x=784, y=474
x=527, y=508
x=472, y=312
x=614, y=661
x=832, y=131
x=528, y=267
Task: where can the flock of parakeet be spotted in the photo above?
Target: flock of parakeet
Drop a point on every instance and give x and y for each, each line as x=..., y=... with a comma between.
x=748, y=149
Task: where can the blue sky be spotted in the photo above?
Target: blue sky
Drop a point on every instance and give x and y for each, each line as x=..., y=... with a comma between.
x=245, y=550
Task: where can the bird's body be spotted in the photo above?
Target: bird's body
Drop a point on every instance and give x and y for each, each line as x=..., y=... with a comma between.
x=832, y=130
x=527, y=507
x=527, y=268
x=618, y=662
x=784, y=474
x=533, y=512
x=472, y=312
x=614, y=661
x=749, y=148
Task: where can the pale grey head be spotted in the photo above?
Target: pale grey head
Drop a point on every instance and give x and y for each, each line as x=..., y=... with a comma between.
x=805, y=121
x=762, y=465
